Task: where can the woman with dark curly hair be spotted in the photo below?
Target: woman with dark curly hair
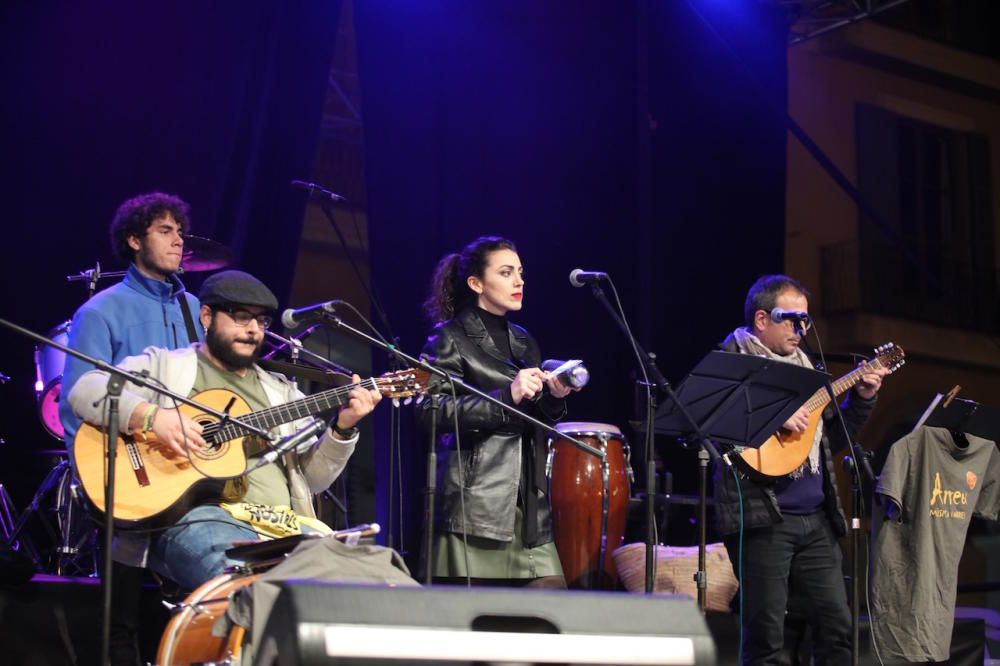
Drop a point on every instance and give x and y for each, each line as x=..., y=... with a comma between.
x=493, y=520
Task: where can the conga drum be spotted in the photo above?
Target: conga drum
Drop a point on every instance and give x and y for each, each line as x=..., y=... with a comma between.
x=188, y=638
x=589, y=502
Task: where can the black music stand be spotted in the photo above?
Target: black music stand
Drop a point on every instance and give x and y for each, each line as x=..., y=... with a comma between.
x=736, y=399
x=960, y=415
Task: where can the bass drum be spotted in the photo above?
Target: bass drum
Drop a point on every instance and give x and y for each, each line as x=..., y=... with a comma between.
x=49, y=364
x=188, y=638
x=589, y=502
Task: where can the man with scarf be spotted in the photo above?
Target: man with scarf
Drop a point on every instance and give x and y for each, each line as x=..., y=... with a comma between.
x=790, y=525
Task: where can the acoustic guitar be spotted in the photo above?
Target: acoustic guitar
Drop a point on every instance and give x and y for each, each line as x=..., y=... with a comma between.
x=150, y=479
x=784, y=451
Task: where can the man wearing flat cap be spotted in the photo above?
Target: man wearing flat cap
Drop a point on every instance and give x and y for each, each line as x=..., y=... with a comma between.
x=273, y=500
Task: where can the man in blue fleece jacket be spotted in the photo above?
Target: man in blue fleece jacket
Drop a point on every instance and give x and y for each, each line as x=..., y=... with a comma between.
x=142, y=310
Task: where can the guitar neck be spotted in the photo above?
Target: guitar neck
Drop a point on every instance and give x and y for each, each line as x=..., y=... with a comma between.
x=269, y=418
x=821, y=398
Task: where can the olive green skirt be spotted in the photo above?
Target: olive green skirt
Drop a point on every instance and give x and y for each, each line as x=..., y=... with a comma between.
x=494, y=559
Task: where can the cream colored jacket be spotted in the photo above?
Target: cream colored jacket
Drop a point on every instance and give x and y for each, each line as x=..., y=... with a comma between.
x=311, y=468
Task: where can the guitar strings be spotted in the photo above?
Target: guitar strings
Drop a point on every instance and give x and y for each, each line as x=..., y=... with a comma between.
x=264, y=415
x=278, y=413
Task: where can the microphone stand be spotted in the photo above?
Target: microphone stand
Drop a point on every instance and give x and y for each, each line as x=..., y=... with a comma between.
x=92, y=276
x=429, y=492
x=445, y=376
x=707, y=450
x=858, y=473
x=117, y=378
x=394, y=444
x=296, y=349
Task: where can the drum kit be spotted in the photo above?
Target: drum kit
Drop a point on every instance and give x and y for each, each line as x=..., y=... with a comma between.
x=76, y=553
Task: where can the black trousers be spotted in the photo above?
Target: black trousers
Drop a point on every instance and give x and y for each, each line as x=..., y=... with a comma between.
x=798, y=557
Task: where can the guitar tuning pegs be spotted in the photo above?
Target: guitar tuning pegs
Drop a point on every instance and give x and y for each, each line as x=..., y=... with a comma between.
x=409, y=400
x=395, y=402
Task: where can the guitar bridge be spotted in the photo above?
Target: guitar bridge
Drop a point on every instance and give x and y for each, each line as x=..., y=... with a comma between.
x=132, y=451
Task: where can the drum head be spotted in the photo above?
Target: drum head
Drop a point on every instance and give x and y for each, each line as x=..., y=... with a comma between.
x=49, y=363
x=585, y=428
x=48, y=408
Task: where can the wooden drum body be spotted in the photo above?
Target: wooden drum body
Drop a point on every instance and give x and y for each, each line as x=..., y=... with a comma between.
x=188, y=638
x=589, y=502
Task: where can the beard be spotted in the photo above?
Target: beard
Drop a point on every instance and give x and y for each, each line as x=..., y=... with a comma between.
x=224, y=352
x=165, y=266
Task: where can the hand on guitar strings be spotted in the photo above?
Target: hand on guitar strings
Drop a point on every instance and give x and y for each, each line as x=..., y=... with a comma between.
x=871, y=381
x=799, y=421
x=174, y=432
x=360, y=404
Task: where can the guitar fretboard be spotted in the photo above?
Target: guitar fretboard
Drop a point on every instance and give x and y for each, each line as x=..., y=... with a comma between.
x=821, y=398
x=271, y=417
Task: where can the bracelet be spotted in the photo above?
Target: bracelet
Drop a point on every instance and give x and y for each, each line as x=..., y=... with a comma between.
x=147, y=418
x=345, y=433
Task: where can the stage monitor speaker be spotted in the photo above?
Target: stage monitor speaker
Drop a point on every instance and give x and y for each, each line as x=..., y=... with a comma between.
x=326, y=623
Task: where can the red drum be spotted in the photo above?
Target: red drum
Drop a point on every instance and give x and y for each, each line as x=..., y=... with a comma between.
x=49, y=363
x=589, y=502
x=188, y=638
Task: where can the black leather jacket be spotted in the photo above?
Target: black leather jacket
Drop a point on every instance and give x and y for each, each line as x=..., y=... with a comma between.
x=760, y=504
x=492, y=442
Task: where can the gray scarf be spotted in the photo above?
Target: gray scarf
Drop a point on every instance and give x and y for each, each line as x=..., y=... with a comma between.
x=751, y=344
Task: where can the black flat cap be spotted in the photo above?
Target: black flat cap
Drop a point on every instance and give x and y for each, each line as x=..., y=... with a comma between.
x=236, y=288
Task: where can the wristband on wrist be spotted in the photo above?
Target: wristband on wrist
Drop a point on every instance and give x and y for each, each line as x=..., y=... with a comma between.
x=148, y=416
x=345, y=433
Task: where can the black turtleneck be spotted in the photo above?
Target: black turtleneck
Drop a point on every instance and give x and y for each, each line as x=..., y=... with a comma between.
x=496, y=326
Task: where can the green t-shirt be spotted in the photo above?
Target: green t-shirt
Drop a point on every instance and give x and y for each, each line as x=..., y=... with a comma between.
x=267, y=485
x=937, y=485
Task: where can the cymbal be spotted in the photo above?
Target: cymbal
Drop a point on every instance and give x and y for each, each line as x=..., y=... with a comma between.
x=305, y=372
x=204, y=254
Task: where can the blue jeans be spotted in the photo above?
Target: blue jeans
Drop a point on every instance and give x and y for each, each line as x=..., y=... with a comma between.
x=192, y=552
x=799, y=556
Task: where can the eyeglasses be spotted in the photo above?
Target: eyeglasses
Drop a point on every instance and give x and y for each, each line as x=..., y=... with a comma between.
x=243, y=317
x=800, y=326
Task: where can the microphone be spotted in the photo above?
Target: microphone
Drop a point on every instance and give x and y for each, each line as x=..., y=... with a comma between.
x=779, y=315
x=579, y=277
x=315, y=427
x=571, y=373
x=291, y=318
x=864, y=459
x=315, y=189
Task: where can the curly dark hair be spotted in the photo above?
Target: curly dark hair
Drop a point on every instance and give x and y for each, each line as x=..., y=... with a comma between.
x=449, y=288
x=763, y=295
x=135, y=215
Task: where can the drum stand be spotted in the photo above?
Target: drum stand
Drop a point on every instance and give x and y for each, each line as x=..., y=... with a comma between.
x=75, y=554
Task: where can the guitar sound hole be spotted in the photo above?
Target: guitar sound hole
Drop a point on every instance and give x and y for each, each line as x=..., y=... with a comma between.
x=216, y=448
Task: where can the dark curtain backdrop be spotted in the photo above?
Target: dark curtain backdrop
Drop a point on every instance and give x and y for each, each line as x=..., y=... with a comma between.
x=609, y=136
x=217, y=102
x=718, y=93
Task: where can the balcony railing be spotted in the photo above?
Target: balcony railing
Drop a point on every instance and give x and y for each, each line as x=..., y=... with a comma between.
x=875, y=278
